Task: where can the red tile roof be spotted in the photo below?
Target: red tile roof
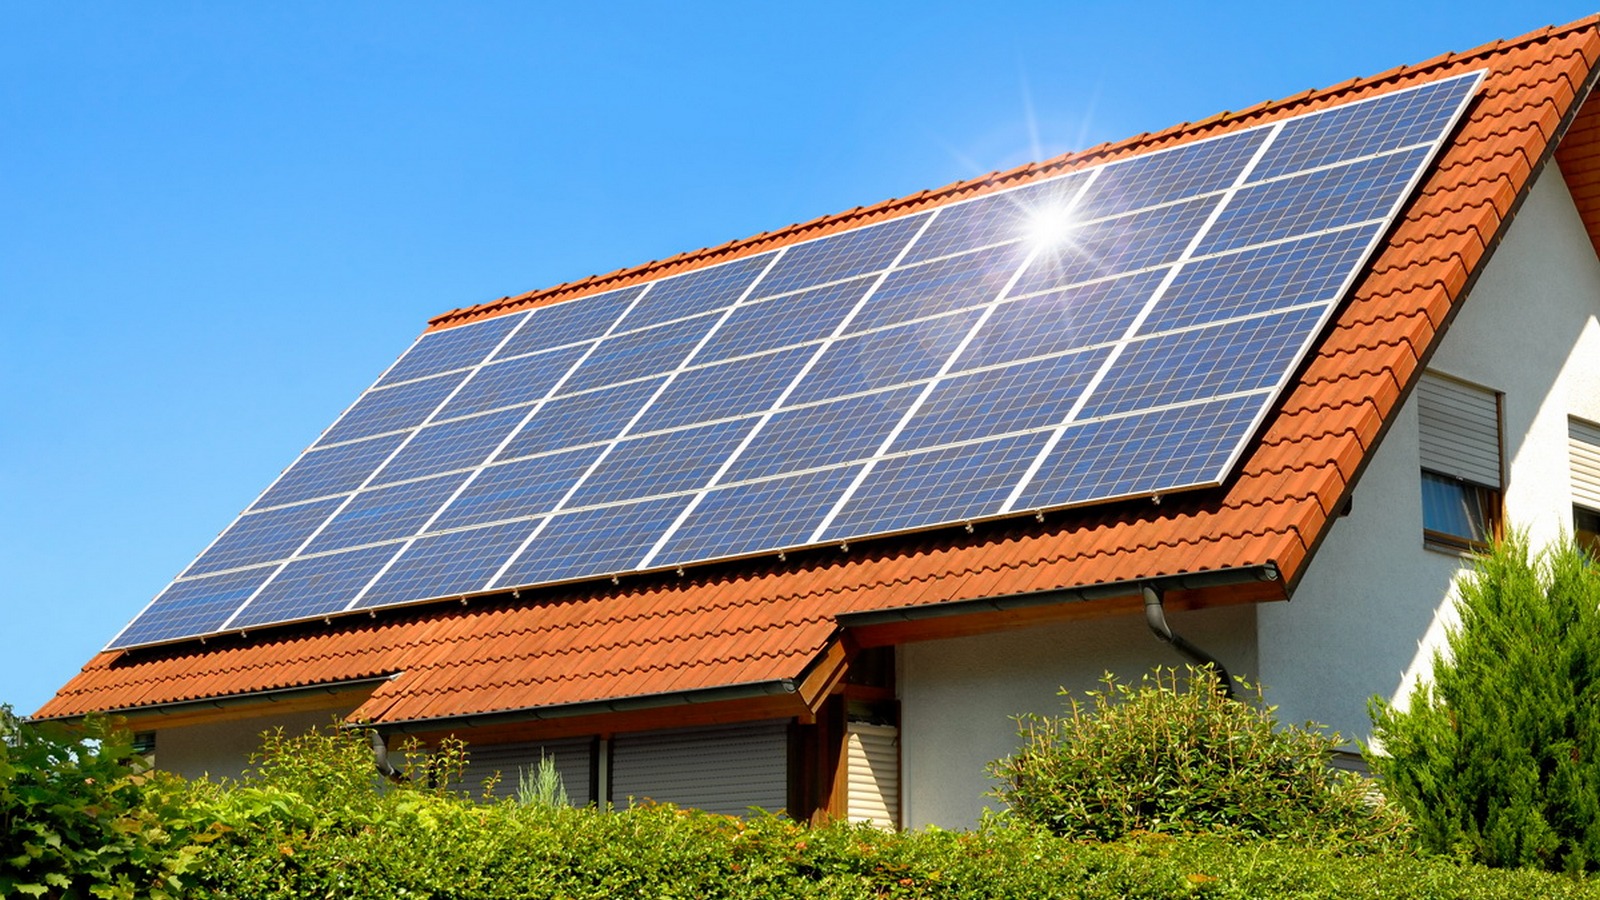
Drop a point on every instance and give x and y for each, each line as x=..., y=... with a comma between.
x=774, y=623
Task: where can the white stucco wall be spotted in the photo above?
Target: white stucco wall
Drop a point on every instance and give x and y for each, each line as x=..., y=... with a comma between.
x=1373, y=605
x=222, y=750
x=958, y=697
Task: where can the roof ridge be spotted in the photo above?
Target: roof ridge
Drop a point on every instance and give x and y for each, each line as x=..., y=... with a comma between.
x=829, y=223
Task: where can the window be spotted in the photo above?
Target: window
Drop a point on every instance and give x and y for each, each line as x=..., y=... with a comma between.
x=1461, y=478
x=1583, y=443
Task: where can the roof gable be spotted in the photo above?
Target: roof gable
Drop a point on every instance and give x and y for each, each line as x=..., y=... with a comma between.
x=769, y=623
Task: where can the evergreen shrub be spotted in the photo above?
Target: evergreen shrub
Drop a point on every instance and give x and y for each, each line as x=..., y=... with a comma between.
x=1498, y=759
x=1173, y=754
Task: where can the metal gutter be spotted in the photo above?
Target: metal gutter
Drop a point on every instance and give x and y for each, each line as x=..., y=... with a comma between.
x=275, y=695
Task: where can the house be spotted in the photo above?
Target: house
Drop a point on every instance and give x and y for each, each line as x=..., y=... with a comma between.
x=1454, y=387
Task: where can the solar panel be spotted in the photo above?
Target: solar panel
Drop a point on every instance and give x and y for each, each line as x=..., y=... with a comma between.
x=951, y=364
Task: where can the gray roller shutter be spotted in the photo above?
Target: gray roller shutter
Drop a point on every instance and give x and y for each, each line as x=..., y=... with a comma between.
x=874, y=773
x=725, y=769
x=1583, y=442
x=511, y=760
x=1460, y=430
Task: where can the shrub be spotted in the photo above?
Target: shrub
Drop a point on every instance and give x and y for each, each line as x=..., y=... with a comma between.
x=1498, y=760
x=77, y=817
x=1174, y=755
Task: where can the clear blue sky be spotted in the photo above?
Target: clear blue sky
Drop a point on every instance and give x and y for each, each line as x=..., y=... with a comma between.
x=220, y=221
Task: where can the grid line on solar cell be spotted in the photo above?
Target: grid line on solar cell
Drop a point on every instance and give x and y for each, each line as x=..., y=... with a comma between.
x=397, y=408
x=838, y=256
x=330, y=471
x=436, y=352
x=509, y=490
x=514, y=382
x=724, y=390
x=755, y=516
x=1018, y=397
x=1139, y=240
x=662, y=463
x=261, y=537
x=1072, y=318
x=313, y=586
x=948, y=283
x=696, y=292
x=383, y=514
x=1153, y=179
x=790, y=320
x=873, y=360
x=997, y=218
x=443, y=564
x=824, y=434
x=448, y=446
x=569, y=322
x=190, y=607
x=583, y=542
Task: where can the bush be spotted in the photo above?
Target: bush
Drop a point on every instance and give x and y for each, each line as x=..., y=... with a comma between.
x=77, y=817
x=1175, y=755
x=1498, y=760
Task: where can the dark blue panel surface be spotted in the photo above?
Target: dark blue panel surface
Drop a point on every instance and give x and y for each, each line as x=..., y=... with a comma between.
x=662, y=463
x=795, y=319
x=317, y=586
x=1060, y=320
x=581, y=419
x=382, y=514
x=598, y=541
x=443, y=565
x=446, y=447
x=757, y=516
x=1167, y=175
x=452, y=348
x=392, y=409
x=653, y=351
x=1183, y=366
x=1141, y=454
x=956, y=282
x=518, y=489
x=1027, y=395
x=937, y=486
x=1005, y=216
x=878, y=359
x=1308, y=270
x=336, y=470
x=823, y=435
x=1116, y=246
x=838, y=256
x=193, y=606
x=264, y=536
x=725, y=389
x=1379, y=125
x=515, y=382
x=569, y=322
x=696, y=292
x=1301, y=204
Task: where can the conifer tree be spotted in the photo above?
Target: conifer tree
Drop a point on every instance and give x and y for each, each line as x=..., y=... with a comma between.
x=1498, y=760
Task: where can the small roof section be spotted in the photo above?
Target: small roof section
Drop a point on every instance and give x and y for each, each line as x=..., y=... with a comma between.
x=768, y=637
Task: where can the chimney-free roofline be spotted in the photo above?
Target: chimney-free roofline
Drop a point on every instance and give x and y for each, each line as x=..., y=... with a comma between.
x=1218, y=578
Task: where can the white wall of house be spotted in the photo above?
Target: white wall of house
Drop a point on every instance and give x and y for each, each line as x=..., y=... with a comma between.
x=1374, y=603
x=223, y=749
x=958, y=696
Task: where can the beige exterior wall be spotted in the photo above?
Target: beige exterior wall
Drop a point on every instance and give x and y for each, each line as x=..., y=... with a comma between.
x=222, y=750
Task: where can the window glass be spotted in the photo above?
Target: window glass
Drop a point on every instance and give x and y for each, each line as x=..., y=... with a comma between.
x=1586, y=528
x=1457, y=512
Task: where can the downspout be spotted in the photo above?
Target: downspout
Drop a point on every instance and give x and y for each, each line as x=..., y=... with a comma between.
x=1156, y=617
x=380, y=757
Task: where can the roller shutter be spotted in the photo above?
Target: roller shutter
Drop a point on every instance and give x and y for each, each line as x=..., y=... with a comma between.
x=1460, y=430
x=511, y=760
x=1583, y=441
x=725, y=770
x=874, y=772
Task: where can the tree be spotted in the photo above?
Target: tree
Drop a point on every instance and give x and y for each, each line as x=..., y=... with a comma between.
x=1498, y=760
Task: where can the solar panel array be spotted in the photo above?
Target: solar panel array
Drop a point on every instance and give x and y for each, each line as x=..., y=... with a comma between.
x=953, y=364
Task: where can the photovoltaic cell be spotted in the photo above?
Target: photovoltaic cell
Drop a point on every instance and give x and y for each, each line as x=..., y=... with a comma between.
x=757, y=516
x=936, y=486
x=264, y=536
x=600, y=539
x=515, y=382
x=511, y=490
x=315, y=586
x=385, y=514
x=878, y=359
x=839, y=256
x=1141, y=454
x=392, y=409
x=1056, y=321
x=795, y=319
x=449, y=564
x=510, y=467
x=334, y=470
x=570, y=322
x=823, y=435
x=726, y=389
x=452, y=348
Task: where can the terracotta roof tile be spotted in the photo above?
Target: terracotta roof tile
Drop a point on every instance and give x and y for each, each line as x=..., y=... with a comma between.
x=762, y=620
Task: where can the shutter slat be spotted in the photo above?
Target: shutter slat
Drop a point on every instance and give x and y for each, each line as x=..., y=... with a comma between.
x=510, y=760
x=722, y=770
x=1460, y=430
x=874, y=774
x=1583, y=442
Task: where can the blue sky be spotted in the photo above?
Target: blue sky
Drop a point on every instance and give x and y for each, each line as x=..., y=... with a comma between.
x=219, y=222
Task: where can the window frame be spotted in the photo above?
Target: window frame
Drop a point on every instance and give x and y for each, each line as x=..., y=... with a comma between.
x=1488, y=498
